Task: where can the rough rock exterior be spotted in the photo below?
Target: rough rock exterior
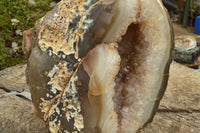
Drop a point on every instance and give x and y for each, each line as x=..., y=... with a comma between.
x=117, y=91
x=179, y=111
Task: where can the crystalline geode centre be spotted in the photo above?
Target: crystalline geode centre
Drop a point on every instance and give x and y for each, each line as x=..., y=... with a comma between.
x=99, y=65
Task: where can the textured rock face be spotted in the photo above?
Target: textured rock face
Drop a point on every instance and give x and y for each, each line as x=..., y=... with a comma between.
x=179, y=110
x=186, y=49
x=99, y=65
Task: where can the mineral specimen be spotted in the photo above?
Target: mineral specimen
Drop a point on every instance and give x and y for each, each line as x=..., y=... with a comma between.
x=99, y=65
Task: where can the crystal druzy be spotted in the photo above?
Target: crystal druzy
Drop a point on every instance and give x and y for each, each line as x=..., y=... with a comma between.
x=99, y=66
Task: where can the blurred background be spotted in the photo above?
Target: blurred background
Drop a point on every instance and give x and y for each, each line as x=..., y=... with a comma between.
x=183, y=10
x=15, y=17
x=19, y=15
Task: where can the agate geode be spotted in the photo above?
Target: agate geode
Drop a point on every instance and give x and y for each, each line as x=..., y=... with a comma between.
x=99, y=66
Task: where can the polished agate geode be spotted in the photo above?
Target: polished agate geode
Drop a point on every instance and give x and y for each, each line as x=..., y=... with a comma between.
x=99, y=65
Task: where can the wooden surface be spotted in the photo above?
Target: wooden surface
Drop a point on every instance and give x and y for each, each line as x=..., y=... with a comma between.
x=179, y=111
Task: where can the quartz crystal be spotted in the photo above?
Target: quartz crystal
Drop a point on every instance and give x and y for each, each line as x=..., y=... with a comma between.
x=99, y=66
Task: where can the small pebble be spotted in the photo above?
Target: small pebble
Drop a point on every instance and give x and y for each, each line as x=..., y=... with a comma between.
x=31, y=2
x=18, y=32
x=14, y=21
x=14, y=47
x=14, y=44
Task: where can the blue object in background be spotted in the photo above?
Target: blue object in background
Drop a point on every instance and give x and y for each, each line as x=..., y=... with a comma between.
x=197, y=25
x=199, y=68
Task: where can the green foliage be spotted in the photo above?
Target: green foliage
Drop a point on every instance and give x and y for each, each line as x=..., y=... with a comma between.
x=27, y=15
